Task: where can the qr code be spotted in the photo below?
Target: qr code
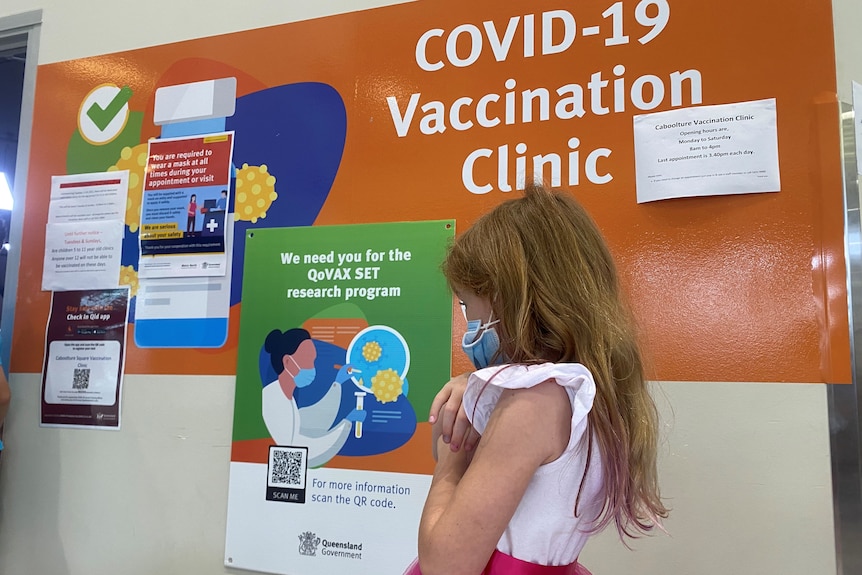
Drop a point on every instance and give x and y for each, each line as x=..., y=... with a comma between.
x=81, y=378
x=287, y=467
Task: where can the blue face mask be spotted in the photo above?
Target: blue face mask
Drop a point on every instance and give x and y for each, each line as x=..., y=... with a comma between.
x=481, y=343
x=305, y=376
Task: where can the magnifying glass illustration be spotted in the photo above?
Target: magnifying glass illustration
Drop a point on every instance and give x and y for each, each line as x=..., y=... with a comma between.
x=377, y=351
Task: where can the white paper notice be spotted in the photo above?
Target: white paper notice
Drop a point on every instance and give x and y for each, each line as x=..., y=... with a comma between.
x=88, y=197
x=100, y=359
x=857, y=124
x=84, y=234
x=707, y=151
x=85, y=255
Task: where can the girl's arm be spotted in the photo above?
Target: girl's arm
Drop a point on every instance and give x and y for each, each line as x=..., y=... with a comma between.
x=470, y=503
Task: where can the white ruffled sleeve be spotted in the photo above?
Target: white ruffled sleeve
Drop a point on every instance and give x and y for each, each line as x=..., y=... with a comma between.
x=486, y=385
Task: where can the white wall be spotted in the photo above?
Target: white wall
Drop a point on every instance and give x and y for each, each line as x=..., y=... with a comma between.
x=744, y=466
x=151, y=498
x=848, y=45
x=746, y=470
x=73, y=30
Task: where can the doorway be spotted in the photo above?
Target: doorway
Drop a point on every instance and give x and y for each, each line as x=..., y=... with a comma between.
x=19, y=36
x=13, y=55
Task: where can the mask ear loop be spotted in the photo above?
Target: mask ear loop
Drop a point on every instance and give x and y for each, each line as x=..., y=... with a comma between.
x=490, y=317
x=298, y=369
x=480, y=331
x=499, y=353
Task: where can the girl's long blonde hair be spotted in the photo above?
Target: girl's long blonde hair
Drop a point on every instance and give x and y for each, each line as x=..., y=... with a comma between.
x=551, y=280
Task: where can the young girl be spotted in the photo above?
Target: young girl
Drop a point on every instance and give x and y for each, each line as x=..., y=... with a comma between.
x=568, y=428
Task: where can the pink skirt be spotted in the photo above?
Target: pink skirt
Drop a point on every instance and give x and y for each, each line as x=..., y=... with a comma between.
x=502, y=564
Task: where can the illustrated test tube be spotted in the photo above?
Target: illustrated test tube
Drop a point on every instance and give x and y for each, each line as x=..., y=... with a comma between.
x=360, y=405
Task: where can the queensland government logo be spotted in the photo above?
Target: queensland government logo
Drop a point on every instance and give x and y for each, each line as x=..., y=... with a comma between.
x=308, y=543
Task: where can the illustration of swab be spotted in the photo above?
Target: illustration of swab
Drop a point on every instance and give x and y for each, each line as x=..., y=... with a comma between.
x=360, y=402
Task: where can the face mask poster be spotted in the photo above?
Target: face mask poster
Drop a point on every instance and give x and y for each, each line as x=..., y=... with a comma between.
x=345, y=338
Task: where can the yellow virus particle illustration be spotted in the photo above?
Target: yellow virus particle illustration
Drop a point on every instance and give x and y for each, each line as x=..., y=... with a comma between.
x=386, y=385
x=255, y=192
x=129, y=277
x=371, y=351
x=134, y=160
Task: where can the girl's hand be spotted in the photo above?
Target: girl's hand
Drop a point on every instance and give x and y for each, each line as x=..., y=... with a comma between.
x=449, y=418
x=451, y=464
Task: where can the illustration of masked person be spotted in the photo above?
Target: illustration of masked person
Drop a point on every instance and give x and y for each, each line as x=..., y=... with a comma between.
x=292, y=355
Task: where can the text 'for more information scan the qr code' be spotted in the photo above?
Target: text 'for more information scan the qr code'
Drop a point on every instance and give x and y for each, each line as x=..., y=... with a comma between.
x=81, y=378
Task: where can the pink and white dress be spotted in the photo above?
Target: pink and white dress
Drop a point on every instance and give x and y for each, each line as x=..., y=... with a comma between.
x=544, y=536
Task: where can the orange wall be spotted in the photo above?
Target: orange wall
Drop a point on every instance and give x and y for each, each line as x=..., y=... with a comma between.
x=741, y=288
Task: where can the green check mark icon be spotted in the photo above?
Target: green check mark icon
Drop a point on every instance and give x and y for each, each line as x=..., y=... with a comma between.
x=104, y=116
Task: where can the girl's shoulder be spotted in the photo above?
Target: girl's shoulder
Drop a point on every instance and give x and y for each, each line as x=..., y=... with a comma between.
x=485, y=386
